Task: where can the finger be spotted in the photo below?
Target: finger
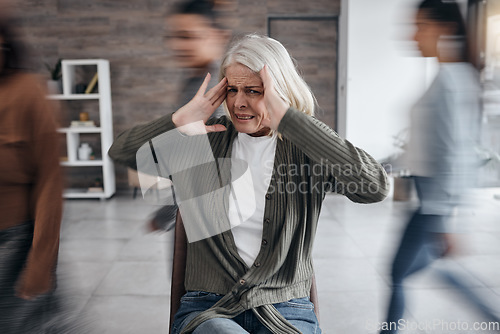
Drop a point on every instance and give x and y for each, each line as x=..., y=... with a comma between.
x=221, y=92
x=24, y=296
x=266, y=121
x=214, y=91
x=152, y=226
x=204, y=85
x=267, y=81
x=220, y=99
x=215, y=128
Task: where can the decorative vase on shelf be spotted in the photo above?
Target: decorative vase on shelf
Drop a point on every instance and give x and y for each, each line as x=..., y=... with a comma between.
x=84, y=151
x=54, y=86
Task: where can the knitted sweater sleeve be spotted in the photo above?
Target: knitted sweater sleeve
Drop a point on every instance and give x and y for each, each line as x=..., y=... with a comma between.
x=126, y=145
x=351, y=171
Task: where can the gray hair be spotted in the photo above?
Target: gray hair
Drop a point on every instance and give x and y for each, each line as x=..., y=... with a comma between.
x=255, y=51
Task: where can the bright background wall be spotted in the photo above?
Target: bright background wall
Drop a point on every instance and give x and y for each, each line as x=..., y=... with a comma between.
x=385, y=74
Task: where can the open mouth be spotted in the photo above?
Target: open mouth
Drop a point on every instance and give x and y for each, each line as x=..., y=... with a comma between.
x=244, y=117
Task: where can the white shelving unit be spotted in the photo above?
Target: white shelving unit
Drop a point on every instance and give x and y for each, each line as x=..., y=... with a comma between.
x=104, y=130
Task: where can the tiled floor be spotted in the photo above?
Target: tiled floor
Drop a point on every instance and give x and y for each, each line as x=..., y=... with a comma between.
x=118, y=273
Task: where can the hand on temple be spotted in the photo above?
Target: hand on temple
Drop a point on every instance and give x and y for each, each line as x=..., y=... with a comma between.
x=191, y=118
x=272, y=102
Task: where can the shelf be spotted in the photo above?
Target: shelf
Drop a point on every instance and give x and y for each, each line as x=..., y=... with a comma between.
x=74, y=96
x=82, y=129
x=102, y=134
x=80, y=62
x=82, y=163
x=83, y=193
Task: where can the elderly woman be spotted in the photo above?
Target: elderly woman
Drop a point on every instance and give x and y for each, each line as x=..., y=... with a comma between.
x=250, y=270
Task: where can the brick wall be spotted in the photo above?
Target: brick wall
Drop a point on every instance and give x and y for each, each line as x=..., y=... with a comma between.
x=144, y=80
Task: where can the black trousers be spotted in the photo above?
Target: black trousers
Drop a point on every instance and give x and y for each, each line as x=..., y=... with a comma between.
x=40, y=315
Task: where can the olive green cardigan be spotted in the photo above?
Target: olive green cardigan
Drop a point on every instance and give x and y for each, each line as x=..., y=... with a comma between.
x=310, y=160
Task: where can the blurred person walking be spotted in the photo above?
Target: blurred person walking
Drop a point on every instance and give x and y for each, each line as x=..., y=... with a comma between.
x=197, y=42
x=444, y=130
x=30, y=191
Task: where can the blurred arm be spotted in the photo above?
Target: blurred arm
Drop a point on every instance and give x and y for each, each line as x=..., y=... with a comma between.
x=46, y=197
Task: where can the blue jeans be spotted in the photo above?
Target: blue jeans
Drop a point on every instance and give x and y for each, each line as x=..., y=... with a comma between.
x=419, y=247
x=299, y=312
x=417, y=250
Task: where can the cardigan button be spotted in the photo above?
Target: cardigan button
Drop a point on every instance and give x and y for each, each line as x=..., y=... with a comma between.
x=257, y=264
x=242, y=281
x=264, y=242
x=268, y=196
x=267, y=220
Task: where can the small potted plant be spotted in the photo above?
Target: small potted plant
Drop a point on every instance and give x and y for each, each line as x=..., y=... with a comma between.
x=54, y=85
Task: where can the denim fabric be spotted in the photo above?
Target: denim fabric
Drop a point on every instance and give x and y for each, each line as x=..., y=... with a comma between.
x=419, y=248
x=299, y=312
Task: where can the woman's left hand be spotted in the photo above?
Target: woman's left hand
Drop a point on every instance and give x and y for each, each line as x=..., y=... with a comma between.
x=450, y=244
x=30, y=285
x=275, y=106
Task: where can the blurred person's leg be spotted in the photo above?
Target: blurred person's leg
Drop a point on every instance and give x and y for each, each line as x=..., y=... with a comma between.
x=19, y=315
x=15, y=244
x=416, y=251
x=454, y=274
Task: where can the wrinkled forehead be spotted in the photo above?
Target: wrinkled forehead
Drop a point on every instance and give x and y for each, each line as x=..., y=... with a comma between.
x=239, y=73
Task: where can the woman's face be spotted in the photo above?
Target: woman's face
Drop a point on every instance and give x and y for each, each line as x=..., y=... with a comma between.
x=245, y=100
x=193, y=41
x=427, y=34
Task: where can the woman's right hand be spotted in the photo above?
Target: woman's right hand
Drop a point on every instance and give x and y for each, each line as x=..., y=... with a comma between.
x=191, y=118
